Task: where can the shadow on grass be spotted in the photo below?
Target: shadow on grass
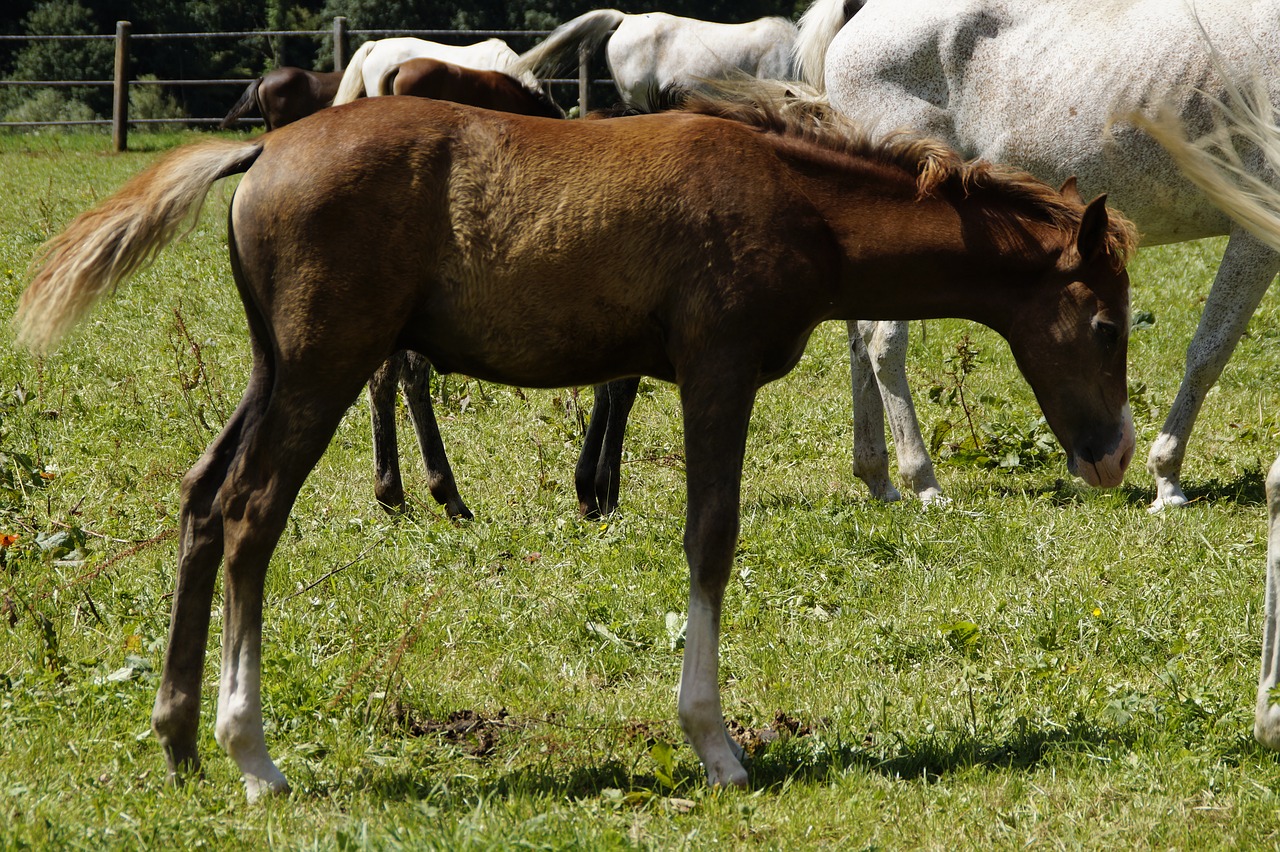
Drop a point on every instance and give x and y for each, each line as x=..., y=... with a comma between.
x=794, y=759
x=1248, y=489
x=930, y=757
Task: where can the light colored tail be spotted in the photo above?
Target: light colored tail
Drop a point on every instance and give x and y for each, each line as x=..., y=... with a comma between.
x=352, y=85
x=107, y=244
x=1214, y=164
x=559, y=51
x=818, y=27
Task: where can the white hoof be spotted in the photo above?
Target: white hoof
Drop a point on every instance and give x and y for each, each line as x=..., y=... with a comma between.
x=1172, y=501
x=935, y=498
x=256, y=788
x=727, y=774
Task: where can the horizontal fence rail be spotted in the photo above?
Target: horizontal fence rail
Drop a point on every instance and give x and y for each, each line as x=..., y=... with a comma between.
x=123, y=77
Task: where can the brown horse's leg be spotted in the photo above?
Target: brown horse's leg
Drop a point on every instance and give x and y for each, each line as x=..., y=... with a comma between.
x=584, y=474
x=716, y=410
x=176, y=715
x=622, y=395
x=303, y=411
x=388, y=487
x=598, y=475
x=416, y=380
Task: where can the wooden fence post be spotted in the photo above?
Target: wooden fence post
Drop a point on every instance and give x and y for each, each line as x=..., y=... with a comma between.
x=339, y=43
x=584, y=79
x=120, y=89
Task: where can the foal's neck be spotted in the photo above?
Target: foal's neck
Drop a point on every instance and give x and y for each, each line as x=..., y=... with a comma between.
x=947, y=254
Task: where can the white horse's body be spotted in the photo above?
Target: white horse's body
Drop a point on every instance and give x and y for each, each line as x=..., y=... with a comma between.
x=651, y=52
x=1038, y=84
x=373, y=59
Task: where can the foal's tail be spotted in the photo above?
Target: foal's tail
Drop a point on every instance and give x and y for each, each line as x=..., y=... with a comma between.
x=559, y=51
x=247, y=101
x=352, y=85
x=1213, y=161
x=107, y=244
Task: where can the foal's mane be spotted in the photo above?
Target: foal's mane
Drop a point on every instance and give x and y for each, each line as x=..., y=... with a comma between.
x=937, y=166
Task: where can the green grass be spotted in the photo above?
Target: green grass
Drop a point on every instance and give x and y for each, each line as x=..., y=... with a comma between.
x=1038, y=664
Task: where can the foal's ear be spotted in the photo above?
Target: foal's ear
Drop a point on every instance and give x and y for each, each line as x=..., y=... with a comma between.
x=1091, y=239
x=1070, y=191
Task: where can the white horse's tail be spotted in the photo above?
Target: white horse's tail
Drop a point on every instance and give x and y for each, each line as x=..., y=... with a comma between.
x=1213, y=162
x=107, y=244
x=559, y=51
x=352, y=85
x=818, y=27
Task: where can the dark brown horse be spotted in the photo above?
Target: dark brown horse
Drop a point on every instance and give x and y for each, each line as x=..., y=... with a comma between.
x=284, y=95
x=700, y=248
x=433, y=78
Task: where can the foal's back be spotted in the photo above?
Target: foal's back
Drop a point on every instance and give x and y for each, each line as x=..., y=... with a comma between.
x=527, y=250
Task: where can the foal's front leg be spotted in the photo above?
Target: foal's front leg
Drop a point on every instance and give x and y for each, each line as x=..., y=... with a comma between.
x=716, y=413
x=1266, y=723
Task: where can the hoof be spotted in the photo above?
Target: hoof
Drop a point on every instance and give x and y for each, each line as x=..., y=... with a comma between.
x=1173, y=501
x=258, y=788
x=934, y=498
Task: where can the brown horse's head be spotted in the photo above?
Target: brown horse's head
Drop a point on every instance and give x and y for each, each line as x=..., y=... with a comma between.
x=1072, y=343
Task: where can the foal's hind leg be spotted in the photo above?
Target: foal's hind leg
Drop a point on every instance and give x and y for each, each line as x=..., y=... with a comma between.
x=1246, y=272
x=175, y=718
x=415, y=377
x=276, y=454
x=887, y=348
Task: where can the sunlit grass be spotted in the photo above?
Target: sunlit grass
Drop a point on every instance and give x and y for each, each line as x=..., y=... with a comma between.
x=1037, y=664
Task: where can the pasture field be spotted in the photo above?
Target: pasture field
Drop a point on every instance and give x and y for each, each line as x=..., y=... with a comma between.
x=1036, y=664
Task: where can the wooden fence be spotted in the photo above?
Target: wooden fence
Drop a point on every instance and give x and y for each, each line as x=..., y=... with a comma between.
x=124, y=74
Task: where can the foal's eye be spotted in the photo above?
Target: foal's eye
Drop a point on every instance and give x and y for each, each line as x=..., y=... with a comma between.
x=1107, y=331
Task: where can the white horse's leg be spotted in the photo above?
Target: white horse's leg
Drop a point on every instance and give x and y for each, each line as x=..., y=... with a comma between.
x=1246, y=272
x=870, y=452
x=1266, y=723
x=887, y=347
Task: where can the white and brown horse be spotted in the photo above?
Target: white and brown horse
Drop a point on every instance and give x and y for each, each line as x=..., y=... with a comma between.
x=373, y=59
x=698, y=247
